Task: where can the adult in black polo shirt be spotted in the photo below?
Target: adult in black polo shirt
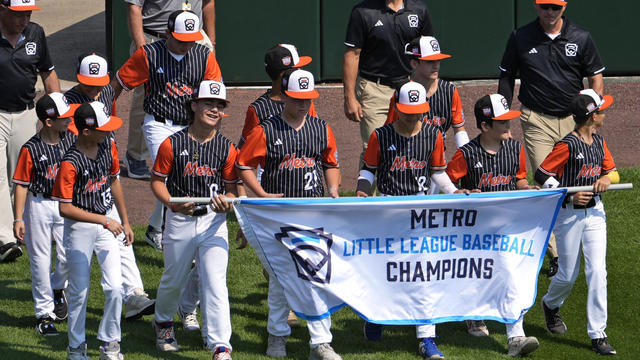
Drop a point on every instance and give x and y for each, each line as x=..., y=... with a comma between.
x=23, y=54
x=552, y=56
x=374, y=60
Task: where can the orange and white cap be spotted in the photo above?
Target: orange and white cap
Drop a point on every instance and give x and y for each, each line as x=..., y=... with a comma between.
x=210, y=89
x=425, y=48
x=185, y=25
x=95, y=116
x=411, y=98
x=20, y=5
x=54, y=106
x=589, y=101
x=299, y=84
x=554, y=2
x=494, y=107
x=92, y=70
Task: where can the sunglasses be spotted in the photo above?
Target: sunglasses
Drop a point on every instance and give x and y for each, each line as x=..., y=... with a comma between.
x=550, y=6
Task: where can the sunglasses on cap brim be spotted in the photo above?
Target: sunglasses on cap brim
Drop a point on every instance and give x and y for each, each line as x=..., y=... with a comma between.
x=553, y=7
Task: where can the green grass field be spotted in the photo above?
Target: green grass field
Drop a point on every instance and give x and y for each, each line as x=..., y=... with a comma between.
x=247, y=294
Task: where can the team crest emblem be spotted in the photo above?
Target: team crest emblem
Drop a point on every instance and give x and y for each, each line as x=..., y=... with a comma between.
x=413, y=20
x=64, y=99
x=434, y=45
x=505, y=104
x=571, y=49
x=51, y=112
x=591, y=107
x=414, y=96
x=303, y=82
x=486, y=111
x=94, y=68
x=189, y=24
x=30, y=48
x=310, y=250
x=286, y=61
x=90, y=121
x=214, y=89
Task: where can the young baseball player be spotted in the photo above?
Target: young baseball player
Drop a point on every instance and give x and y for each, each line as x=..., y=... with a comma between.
x=93, y=84
x=293, y=135
x=404, y=158
x=196, y=162
x=37, y=218
x=87, y=186
x=581, y=159
x=171, y=70
x=493, y=161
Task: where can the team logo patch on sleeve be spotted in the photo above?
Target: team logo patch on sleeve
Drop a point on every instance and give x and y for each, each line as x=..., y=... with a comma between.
x=571, y=49
x=303, y=82
x=94, y=68
x=189, y=24
x=414, y=96
x=214, y=89
x=414, y=20
x=310, y=250
x=30, y=48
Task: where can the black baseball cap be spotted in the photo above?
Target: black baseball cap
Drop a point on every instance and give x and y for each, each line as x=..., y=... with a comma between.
x=493, y=107
x=283, y=57
x=53, y=106
x=587, y=102
x=95, y=116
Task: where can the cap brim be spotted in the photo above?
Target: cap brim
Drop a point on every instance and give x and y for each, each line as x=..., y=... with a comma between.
x=435, y=57
x=196, y=36
x=313, y=94
x=413, y=109
x=554, y=2
x=93, y=80
x=512, y=114
x=608, y=100
x=72, y=128
x=72, y=110
x=303, y=61
x=113, y=124
x=24, y=8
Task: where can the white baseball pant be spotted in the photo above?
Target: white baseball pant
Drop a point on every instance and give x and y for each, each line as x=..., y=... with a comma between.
x=131, y=279
x=205, y=238
x=155, y=133
x=319, y=330
x=42, y=221
x=587, y=228
x=81, y=240
x=190, y=298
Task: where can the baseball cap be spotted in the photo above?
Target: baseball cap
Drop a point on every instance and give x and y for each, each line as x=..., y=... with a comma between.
x=425, y=48
x=95, y=116
x=284, y=56
x=210, y=89
x=299, y=84
x=554, y=2
x=21, y=5
x=494, y=107
x=54, y=106
x=92, y=70
x=411, y=98
x=587, y=102
x=185, y=25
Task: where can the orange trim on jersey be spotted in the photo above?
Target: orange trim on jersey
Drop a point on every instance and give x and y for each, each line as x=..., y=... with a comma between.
x=372, y=154
x=330, y=153
x=522, y=170
x=63, y=186
x=229, y=169
x=457, y=167
x=24, y=168
x=254, y=150
x=212, y=72
x=607, y=163
x=164, y=159
x=312, y=110
x=437, y=156
x=115, y=164
x=392, y=114
x=250, y=121
x=135, y=71
x=553, y=164
x=456, y=110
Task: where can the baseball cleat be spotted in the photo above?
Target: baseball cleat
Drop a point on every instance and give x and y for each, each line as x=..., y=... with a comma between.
x=60, y=304
x=154, y=237
x=165, y=337
x=521, y=345
x=111, y=351
x=138, y=305
x=477, y=328
x=46, y=327
x=323, y=352
x=9, y=252
x=277, y=346
x=189, y=320
x=221, y=353
x=428, y=349
x=79, y=353
x=372, y=332
x=137, y=169
x=553, y=320
x=602, y=347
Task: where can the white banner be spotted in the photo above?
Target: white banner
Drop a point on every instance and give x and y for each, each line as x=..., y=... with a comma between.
x=406, y=260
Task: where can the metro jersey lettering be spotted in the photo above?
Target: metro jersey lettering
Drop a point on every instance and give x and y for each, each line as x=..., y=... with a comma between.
x=291, y=162
x=401, y=164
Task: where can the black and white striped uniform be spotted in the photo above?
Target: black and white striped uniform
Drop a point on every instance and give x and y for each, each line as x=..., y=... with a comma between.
x=107, y=95
x=475, y=168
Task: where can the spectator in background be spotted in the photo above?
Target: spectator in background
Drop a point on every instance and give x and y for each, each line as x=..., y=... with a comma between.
x=23, y=54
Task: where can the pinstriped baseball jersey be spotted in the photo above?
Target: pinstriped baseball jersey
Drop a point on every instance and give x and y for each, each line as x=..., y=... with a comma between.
x=403, y=166
x=263, y=108
x=107, y=97
x=193, y=169
x=293, y=161
x=169, y=83
x=445, y=108
x=575, y=163
x=85, y=182
x=38, y=163
x=477, y=169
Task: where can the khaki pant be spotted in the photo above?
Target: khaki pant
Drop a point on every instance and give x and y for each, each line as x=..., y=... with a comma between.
x=374, y=99
x=15, y=129
x=136, y=145
x=541, y=132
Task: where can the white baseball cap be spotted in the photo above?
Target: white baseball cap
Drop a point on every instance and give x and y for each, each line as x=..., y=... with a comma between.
x=21, y=5
x=299, y=84
x=425, y=48
x=411, y=98
x=185, y=25
x=589, y=101
x=495, y=107
x=92, y=70
x=54, y=106
x=94, y=115
x=210, y=89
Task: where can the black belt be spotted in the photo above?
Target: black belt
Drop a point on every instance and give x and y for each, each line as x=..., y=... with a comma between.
x=391, y=82
x=163, y=120
x=22, y=108
x=155, y=34
x=46, y=196
x=588, y=205
x=200, y=210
